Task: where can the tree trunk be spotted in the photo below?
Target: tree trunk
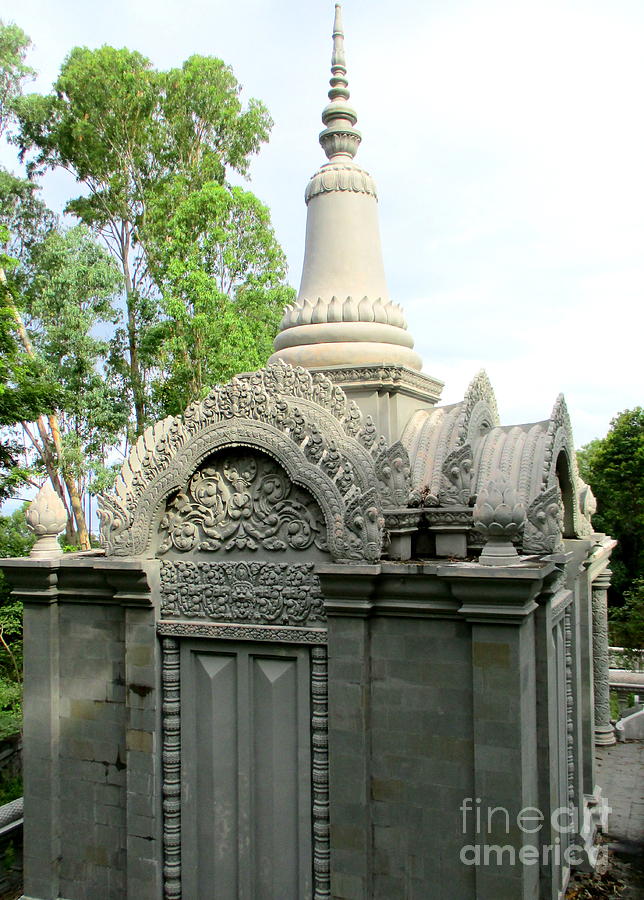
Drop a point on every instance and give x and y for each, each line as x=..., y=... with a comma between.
x=132, y=335
x=53, y=460
x=72, y=489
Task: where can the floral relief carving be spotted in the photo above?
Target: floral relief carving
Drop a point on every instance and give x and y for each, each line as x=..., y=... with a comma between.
x=247, y=592
x=301, y=420
x=242, y=503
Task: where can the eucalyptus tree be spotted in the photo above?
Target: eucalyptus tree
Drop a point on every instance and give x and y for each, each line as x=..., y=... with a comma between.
x=126, y=131
x=14, y=45
x=53, y=305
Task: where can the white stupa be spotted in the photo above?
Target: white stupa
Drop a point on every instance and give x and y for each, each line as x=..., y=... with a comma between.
x=343, y=314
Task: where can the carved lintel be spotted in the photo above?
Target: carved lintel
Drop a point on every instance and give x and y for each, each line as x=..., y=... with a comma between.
x=248, y=592
x=235, y=632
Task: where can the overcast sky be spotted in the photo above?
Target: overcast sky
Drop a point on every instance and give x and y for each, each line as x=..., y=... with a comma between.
x=507, y=142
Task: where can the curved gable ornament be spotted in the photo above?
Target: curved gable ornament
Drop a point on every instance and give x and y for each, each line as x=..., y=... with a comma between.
x=479, y=411
x=300, y=419
x=560, y=445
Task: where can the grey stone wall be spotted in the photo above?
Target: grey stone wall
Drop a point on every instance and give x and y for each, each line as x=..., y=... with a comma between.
x=91, y=726
x=422, y=756
x=401, y=756
x=433, y=704
x=92, y=751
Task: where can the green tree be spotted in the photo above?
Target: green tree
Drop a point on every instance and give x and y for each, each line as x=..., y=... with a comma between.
x=58, y=287
x=22, y=391
x=124, y=131
x=14, y=44
x=15, y=540
x=68, y=292
x=221, y=272
x=626, y=622
x=25, y=392
x=614, y=468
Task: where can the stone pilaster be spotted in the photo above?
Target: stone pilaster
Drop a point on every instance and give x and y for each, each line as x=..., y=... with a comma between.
x=348, y=605
x=604, y=731
x=499, y=604
x=35, y=583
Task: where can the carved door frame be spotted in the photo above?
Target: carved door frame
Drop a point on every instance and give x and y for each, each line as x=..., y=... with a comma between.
x=171, y=633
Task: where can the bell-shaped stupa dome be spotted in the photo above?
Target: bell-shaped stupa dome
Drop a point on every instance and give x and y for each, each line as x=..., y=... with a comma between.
x=343, y=314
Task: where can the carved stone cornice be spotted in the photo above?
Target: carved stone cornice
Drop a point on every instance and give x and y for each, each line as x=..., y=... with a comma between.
x=133, y=585
x=32, y=580
x=599, y=556
x=348, y=589
x=505, y=595
x=449, y=518
x=393, y=379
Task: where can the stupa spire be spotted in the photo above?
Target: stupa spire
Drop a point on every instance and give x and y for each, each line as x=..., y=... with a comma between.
x=340, y=136
x=343, y=314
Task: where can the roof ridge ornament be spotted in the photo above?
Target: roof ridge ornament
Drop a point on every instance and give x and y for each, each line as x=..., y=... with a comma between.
x=340, y=137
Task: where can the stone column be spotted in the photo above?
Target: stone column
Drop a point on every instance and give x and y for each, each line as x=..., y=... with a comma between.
x=604, y=731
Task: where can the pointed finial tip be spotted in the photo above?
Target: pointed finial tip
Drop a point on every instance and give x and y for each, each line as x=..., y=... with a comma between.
x=337, y=23
x=340, y=136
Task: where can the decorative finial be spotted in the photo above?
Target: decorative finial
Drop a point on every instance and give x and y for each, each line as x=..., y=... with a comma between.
x=499, y=516
x=46, y=517
x=339, y=138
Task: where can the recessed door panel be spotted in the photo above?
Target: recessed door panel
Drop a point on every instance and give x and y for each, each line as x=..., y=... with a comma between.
x=246, y=771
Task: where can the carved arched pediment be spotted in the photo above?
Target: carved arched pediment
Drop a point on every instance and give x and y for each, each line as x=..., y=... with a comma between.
x=303, y=422
x=560, y=467
x=479, y=411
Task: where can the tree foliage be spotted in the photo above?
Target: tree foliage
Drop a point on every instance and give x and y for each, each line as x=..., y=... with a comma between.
x=14, y=44
x=614, y=468
x=129, y=133
x=201, y=273
x=56, y=291
x=221, y=273
x=15, y=540
x=626, y=622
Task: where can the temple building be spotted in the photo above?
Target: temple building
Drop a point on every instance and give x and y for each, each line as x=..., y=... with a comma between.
x=342, y=641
